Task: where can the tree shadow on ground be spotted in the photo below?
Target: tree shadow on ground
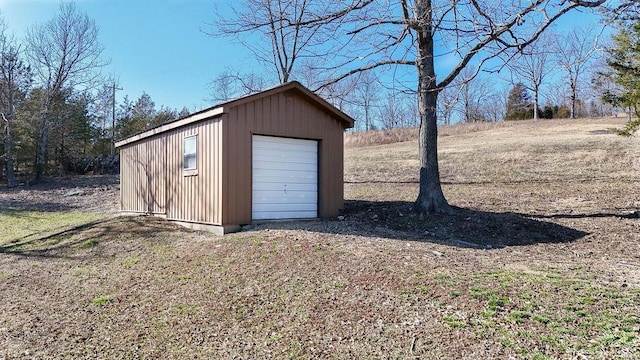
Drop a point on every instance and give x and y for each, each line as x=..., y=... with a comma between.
x=92, y=239
x=630, y=215
x=465, y=228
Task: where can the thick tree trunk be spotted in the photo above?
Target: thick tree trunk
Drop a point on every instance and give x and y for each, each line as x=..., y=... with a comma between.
x=430, y=198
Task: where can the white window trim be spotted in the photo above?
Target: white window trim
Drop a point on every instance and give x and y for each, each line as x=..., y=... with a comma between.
x=193, y=170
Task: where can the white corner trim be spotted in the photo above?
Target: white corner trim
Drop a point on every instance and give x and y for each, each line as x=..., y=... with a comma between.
x=172, y=125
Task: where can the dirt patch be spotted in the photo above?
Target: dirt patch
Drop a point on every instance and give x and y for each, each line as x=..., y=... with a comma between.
x=540, y=261
x=97, y=194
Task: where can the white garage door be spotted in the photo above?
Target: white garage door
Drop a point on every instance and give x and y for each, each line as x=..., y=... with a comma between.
x=285, y=178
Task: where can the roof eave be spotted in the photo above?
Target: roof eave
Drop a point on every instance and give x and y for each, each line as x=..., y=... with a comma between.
x=206, y=114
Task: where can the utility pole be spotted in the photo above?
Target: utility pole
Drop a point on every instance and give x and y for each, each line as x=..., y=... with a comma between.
x=113, y=116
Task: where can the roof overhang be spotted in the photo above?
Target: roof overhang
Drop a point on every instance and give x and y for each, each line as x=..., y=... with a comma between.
x=206, y=114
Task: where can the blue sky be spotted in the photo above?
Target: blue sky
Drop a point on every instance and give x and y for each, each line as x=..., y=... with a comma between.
x=159, y=47
x=154, y=46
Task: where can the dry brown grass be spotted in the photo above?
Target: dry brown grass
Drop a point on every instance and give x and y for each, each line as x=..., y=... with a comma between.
x=390, y=136
x=542, y=261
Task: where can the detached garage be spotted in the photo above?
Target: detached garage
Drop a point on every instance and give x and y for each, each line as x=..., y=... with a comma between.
x=272, y=155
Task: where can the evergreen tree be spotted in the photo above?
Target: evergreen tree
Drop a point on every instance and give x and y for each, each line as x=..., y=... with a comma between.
x=519, y=105
x=15, y=80
x=624, y=61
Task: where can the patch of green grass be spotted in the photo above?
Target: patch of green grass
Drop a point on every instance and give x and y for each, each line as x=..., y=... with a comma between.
x=589, y=300
x=497, y=303
x=101, y=300
x=89, y=243
x=32, y=230
x=487, y=313
x=454, y=321
x=567, y=314
x=130, y=262
x=537, y=355
x=541, y=318
x=443, y=278
x=406, y=292
x=480, y=293
x=519, y=316
x=162, y=250
x=186, y=309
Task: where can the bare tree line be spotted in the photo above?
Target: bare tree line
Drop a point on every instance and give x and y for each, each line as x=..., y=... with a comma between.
x=401, y=37
x=555, y=63
x=57, y=109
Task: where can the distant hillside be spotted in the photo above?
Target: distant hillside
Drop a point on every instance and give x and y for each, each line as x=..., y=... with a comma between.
x=390, y=136
x=543, y=150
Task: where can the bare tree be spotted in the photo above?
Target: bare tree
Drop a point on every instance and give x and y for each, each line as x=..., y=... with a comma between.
x=475, y=92
x=532, y=66
x=231, y=85
x=289, y=31
x=65, y=55
x=367, y=95
x=368, y=34
x=391, y=112
x=447, y=101
x=575, y=51
x=15, y=78
x=383, y=35
x=496, y=104
x=470, y=98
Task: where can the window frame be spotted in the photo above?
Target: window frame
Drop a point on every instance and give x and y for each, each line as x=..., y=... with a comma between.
x=192, y=170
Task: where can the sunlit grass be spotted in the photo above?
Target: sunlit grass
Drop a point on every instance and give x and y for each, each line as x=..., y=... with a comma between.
x=19, y=228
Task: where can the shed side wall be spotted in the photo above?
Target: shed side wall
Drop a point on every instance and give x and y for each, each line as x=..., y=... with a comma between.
x=143, y=176
x=196, y=196
x=285, y=114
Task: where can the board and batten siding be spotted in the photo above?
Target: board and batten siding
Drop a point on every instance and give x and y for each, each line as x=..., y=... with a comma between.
x=153, y=179
x=282, y=114
x=143, y=176
x=195, y=196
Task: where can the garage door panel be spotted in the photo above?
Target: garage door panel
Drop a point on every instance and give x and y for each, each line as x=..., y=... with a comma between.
x=267, y=208
x=283, y=157
x=291, y=197
x=273, y=147
x=285, y=178
x=273, y=215
x=276, y=186
x=278, y=180
x=272, y=142
x=284, y=175
x=282, y=165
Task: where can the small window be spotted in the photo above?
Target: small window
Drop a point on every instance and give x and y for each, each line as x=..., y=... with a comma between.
x=190, y=146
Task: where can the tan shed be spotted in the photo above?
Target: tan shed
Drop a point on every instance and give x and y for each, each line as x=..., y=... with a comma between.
x=277, y=154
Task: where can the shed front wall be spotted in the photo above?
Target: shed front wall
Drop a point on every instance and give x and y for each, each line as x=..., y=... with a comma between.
x=285, y=114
